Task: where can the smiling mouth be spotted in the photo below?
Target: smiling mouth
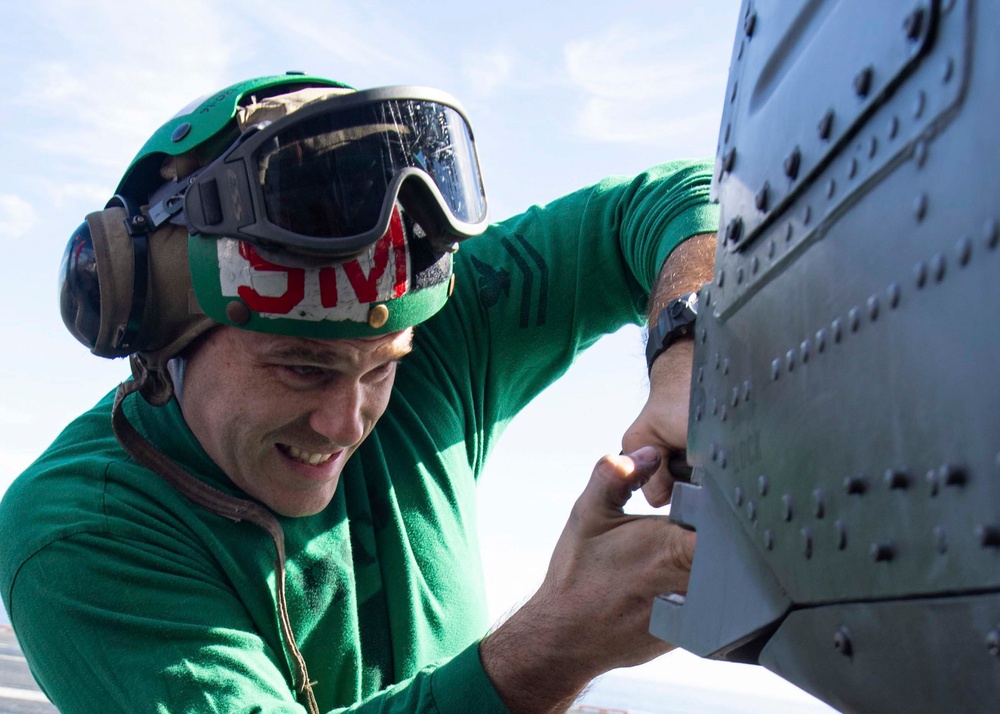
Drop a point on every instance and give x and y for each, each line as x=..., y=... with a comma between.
x=305, y=457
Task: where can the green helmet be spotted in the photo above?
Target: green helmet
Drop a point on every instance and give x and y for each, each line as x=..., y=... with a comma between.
x=287, y=204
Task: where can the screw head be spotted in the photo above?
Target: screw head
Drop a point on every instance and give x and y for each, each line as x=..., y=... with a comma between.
x=913, y=25
x=792, y=163
x=863, y=81
x=180, y=131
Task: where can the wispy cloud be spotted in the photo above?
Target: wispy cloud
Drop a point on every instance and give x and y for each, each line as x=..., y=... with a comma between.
x=642, y=84
x=17, y=217
x=484, y=72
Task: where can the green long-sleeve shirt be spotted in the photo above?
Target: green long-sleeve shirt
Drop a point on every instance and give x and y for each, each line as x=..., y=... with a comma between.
x=125, y=596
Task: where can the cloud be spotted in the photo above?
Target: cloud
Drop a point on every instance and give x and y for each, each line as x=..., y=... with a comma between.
x=645, y=85
x=485, y=71
x=17, y=217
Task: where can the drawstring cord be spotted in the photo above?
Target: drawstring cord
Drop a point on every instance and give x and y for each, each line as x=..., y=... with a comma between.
x=235, y=509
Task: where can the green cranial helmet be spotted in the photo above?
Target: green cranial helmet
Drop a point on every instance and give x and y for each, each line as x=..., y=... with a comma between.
x=287, y=204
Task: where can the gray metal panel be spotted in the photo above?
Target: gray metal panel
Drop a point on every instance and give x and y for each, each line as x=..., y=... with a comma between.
x=845, y=428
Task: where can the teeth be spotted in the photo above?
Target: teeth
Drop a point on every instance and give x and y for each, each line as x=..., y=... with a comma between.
x=306, y=457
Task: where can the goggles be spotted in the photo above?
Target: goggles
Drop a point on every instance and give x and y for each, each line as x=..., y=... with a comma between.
x=323, y=180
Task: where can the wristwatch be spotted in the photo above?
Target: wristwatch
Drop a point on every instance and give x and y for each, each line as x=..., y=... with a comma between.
x=675, y=321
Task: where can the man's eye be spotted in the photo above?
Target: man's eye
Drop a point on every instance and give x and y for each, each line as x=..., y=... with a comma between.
x=304, y=371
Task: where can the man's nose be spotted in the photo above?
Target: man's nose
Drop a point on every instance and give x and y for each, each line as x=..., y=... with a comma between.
x=337, y=413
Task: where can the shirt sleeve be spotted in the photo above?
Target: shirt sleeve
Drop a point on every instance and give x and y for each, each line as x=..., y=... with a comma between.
x=135, y=630
x=534, y=291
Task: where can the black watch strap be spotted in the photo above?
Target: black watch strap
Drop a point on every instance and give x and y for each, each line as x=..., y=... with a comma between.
x=676, y=320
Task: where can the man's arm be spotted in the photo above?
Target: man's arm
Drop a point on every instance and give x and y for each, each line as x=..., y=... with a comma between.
x=592, y=612
x=663, y=421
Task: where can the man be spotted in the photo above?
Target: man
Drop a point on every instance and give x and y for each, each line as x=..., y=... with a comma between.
x=284, y=515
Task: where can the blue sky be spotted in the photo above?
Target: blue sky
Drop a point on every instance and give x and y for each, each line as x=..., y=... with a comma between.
x=560, y=95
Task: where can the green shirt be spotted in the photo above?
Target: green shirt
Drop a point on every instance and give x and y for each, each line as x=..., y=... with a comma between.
x=125, y=596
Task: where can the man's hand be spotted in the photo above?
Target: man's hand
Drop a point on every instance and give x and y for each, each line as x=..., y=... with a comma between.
x=663, y=421
x=592, y=611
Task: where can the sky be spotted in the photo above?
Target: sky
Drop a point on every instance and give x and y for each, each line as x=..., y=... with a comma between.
x=560, y=95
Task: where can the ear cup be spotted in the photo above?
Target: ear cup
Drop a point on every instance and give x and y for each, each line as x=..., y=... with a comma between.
x=100, y=296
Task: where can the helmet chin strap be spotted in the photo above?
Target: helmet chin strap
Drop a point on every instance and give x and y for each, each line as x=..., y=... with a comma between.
x=215, y=501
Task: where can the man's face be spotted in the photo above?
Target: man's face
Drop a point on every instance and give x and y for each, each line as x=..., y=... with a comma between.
x=281, y=415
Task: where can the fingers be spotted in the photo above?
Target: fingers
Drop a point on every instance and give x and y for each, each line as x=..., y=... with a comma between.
x=613, y=480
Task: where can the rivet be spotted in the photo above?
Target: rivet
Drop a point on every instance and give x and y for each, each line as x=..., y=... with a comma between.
x=701, y=373
x=770, y=249
x=919, y=104
x=804, y=351
x=838, y=330
x=920, y=273
x=852, y=168
x=786, y=508
x=892, y=293
x=180, y=131
x=938, y=265
x=732, y=95
x=819, y=503
x=237, y=312
x=718, y=360
x=993, y=642
x=750, y=24
x=882, y=552
x=715, y=407
x=825, y=126
x=893, y=127
x=721, y=280
x=735, y=399
x=713, y=452
x=949, y=70
x=807, y=543
x=873, y=307
x=841, y=535
x=831, y=188
x=762, y=485
x=698, y=413
x=729, y=160
x=722, y=457
x=920, y=153
x=991, y=230
x=755, y=265
x=807, y=215
x=964, y=249
x=932, y=481
x=789, y=232
x=820, y=340
x=913, y=24
x=842, y=642
x=378, y=316
x=989, y=536
x=762, y=199
x=734, y=231
x=722, y=417
x=920, y=206
x=738, y=496
x=863, y=81
x=751, y=510
x=775, y=369
x=872, y=147
x=769, y=539
x=790, y=360
x=952, y=475
x=854, y=317
x=940, y=540
x=703, y=333
x=739, y=275
x=855, y=485
x=739, y=55
x=729, y=128
x=896, y=479
x=746, y=391
x=792, y=163
x=725, y=366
